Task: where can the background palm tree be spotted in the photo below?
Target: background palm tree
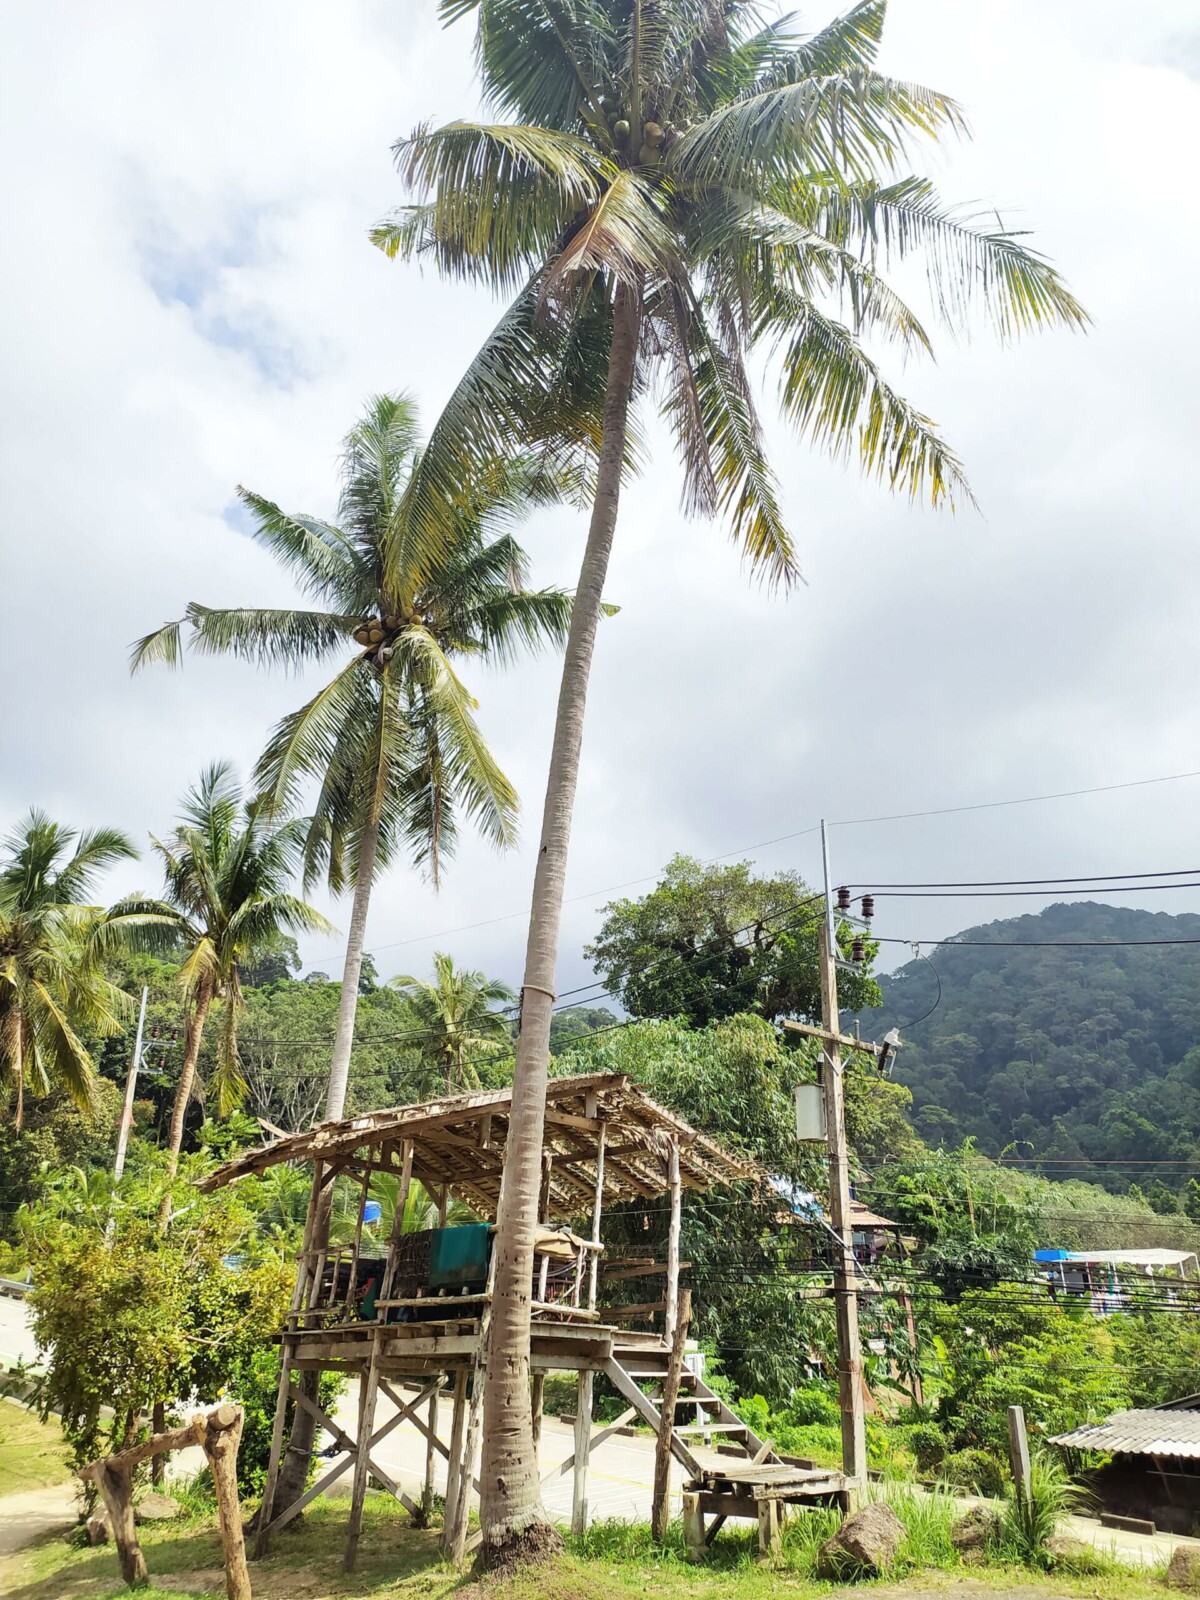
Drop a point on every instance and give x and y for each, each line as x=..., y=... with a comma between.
x=679, y=186
x=455, y=1014
x=52, y=983
x=391, y=740
x=227, y=867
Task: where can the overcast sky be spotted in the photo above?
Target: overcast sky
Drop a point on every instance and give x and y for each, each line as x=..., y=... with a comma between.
x=189, y=301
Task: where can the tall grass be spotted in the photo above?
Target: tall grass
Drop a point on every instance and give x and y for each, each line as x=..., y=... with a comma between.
x=1028, y=1522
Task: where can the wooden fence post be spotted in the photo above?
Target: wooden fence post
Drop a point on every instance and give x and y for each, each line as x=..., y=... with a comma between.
x=1018, y=1452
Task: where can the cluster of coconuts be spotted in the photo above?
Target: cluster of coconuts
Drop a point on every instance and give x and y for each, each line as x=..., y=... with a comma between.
x=379, y=633
x=652, y=136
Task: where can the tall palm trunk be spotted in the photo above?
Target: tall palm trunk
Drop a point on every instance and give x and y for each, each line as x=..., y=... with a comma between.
x=511, y=1497
x=187, y=1077
x=339, y=1067
x=293, y=1471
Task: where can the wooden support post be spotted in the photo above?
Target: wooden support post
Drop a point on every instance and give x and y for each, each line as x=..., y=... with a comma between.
x=770, y=1542
x=116, y=1488
x=672, y=1295
x=457, y=1533
x=267, y=1506
x=454, y=1465
x=695, y=1545
x=539, y=1401
x=845, y=1271
x=660, y=1507
x=1018, y=1453
x=222, y=1435
x=597, y=1209
x=430, y=1459
x=389, y=1271
x=583, y=1440
x=368, y=1390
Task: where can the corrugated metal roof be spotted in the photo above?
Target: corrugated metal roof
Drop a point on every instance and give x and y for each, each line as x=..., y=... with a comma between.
x=1140, y=1433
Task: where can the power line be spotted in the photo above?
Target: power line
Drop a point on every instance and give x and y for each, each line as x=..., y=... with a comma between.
x=1024, y=800
x=1006, y=883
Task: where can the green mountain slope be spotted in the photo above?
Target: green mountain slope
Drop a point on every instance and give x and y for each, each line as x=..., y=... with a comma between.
x=1086, y=1058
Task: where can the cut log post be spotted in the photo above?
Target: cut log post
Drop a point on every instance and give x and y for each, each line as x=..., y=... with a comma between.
x=693, y=1527
x=219, y=1433
x=770, y=1542
x=116, y=1487
x=430, y=1460
x=660, y=1512
x=222, y=1436
x=675, y=1186
x=368, y=1391
x=1018, y=1452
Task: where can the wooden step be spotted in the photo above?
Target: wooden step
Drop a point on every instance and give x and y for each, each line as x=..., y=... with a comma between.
x=712, y=1427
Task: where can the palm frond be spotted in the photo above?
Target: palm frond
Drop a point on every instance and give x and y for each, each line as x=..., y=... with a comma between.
x=509, y=623
x=301, y=742
x=849, y=124
x=849, y=43
x=966, y=260
x=839, y=400
x=163, y=645
x=319, y=556
x=58, y=1052
x=624, y=235
x=501, y=196
x=270, y=638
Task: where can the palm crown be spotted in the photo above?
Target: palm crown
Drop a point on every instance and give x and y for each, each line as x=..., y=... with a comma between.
x=227, y=868
x=457, y=1014
x=749, y=185
x=52, y=941
x=391, y=738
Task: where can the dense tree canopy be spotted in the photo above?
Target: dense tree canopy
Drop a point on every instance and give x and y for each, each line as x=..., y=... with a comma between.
x=1083, y=1057
x=712, y=941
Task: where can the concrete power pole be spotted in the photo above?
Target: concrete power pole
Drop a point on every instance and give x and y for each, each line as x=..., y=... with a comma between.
x=130, y=1088
x=845, y=1274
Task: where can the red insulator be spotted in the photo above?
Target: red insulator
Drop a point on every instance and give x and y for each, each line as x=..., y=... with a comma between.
x=858, y=952
x=868, y=907
x=843, y=900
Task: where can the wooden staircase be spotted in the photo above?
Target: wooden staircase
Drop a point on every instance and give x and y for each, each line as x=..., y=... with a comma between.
x=755, y=1481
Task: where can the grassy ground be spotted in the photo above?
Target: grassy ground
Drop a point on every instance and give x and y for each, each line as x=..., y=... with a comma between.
x=397, y=1562
x=32, y=1454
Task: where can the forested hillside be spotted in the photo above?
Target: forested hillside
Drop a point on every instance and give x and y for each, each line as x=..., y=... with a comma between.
x=1084, y=1057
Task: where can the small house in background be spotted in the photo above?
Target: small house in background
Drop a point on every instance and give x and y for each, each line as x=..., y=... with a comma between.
x=1108, y=1278
x=1154, y=1473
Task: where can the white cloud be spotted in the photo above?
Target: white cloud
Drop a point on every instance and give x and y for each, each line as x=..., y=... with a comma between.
x=189, y=302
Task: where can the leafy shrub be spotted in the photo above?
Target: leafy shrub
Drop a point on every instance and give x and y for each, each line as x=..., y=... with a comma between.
x=814, y=1403
x=975, y=1470
x=1028, y=1522
x=928, y=1444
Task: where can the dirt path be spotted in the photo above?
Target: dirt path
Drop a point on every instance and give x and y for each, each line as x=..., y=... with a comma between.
x=26, y=1516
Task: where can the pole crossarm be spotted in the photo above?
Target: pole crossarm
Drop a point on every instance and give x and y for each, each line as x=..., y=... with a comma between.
x=843, y=1040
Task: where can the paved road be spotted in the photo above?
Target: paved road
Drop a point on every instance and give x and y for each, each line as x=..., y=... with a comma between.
x=25, y=1517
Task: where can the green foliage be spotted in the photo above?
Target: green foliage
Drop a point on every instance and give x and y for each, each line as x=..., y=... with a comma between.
x=1079, y=1056
x=1012, y=1346
x=576, y=1022
x=976, y=1471
x=711, y=942
x=132, y=1317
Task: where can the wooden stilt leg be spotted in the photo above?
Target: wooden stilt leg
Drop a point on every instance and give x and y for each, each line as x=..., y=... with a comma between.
x=266, y=1509
x=430, y=1460
x=466, y=1481
x=583, y=1438
x=454, y=1465
x=769, y=1543
x=368, y=1389
x=539, y=1399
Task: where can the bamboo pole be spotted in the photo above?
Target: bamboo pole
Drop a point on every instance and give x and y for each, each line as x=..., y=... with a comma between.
x=454, y=1465
x=597, y=1210
x=583, y=1440
x=670, y=1316
x=367, y=1392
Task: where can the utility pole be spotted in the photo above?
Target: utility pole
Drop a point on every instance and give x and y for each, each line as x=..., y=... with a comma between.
x=130, y=1088
x=845, y=1272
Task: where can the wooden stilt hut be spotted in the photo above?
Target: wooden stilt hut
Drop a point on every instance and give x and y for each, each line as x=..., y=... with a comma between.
x=413, y=1314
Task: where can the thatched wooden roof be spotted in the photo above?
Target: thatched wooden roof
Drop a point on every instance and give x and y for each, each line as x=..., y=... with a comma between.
x=459, y=1142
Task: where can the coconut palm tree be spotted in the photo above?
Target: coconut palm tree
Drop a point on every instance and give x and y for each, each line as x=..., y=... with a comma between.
x=679, y=186
x=52, y=982
x=391, y=740
x=227, y=866
x=455, y=1014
